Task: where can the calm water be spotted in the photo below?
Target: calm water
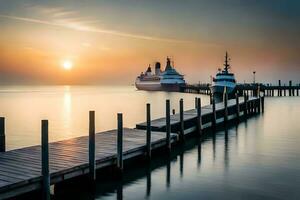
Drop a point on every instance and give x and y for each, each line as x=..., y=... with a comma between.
x=258, y=159
x=67, y=107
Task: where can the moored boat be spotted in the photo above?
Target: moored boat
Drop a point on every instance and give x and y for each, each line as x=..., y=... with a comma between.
x=224, y=79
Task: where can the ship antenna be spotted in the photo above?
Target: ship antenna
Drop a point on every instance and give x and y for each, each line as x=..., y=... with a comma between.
x=226, y=64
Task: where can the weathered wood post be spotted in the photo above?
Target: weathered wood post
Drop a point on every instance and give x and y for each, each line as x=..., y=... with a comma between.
x=168, y=125
x=279, y=88
x=214, y=114
x=263, y=103
x=245, y=105
x=249, y=106
x=290, y=88
x=120, y=143
x=259, y=103
x=2, y=135
x=173, y=111
x=225, y=99
x=92, y=150
x=196, y=102
x=297, y=91
x=284, y=90
x=181, y=120
x=148, y=132
x=199, y=117
x=237, y=105
x=45, y=162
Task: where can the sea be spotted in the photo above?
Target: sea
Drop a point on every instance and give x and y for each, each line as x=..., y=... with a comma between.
x=256, y=159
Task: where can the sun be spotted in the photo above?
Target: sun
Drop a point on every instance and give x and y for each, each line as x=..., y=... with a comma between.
x=67, y=64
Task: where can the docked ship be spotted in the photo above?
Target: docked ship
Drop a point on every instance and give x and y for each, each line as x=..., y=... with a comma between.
x=224, y=79
x=167, y=80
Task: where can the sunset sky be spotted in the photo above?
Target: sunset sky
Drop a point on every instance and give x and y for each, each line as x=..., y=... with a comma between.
x=111, y=42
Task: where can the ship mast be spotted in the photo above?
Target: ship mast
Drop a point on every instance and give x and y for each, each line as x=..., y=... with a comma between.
x=226, y=64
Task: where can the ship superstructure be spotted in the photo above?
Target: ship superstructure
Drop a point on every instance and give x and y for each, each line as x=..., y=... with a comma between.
x=224, y=79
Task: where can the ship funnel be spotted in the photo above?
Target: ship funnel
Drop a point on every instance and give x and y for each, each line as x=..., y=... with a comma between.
x=157, y=68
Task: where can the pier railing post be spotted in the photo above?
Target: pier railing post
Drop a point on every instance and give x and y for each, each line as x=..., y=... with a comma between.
x=2, y=135
x=45, y=161
x=259, y=103
x=263, y=103
x=237, y=105
x=199, y=117
x=225, y=99
x=92, y=149
x=148, y=132
x=168, y=125
x=120, y=143
x=279, y=88
x=245, y=105
x=181, y=120
x=214, y=114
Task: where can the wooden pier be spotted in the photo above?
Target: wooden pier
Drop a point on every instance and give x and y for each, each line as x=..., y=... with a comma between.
x=253, y=105
x=21, y=169
x=37, y=167
x=252, y=89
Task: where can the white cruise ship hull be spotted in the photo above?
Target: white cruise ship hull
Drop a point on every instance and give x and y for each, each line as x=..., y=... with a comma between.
x=148, y=85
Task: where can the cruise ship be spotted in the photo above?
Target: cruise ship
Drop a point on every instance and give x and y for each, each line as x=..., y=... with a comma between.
x=167, y=80
x=224, y=79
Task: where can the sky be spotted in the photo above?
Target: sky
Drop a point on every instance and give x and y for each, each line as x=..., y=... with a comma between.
x=111, y=42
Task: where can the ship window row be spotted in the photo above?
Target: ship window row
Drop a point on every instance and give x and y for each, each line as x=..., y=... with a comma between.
x=225, y=79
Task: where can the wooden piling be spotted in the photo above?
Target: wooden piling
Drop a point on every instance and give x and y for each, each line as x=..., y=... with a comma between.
x=181, y=134
x=2, y=135
x=148, y=130
x=199, y=117
x=225, y=99
x=92, y=163
x=168, y=125
x=45, y=162
x=173, y=111
x=196, y=102
x=120, y=142
x=245, y=106
x=249, y=107
x=290, y=88
x=279, y=88
x=214, y=114
x=262, y=104
x=237, y=105
x=259, y=104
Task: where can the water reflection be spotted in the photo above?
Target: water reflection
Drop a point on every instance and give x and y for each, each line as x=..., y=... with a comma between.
x=168, y=173
x=226, y=155
x=148, y=191
x=120, y=191
x=181, y=161
x=199, y=153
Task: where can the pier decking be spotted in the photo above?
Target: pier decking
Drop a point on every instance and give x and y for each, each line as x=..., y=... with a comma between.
x=206, y=115
x=20, y=170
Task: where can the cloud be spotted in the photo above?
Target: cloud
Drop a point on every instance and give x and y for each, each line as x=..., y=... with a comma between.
x=67, y=19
